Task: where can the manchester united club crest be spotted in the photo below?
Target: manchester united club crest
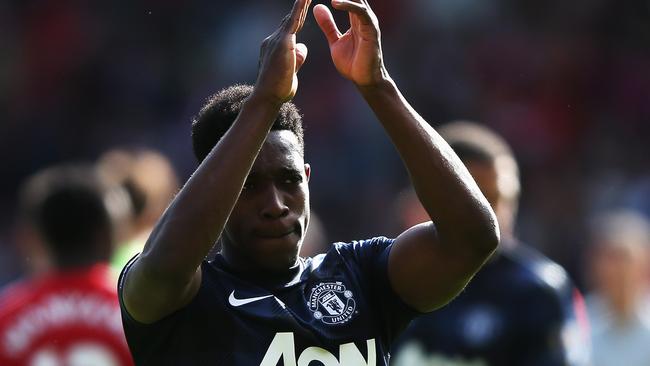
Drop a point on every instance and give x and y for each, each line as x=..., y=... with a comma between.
x=332, y=303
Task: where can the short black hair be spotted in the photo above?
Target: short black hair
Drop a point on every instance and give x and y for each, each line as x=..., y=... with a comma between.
x=67, y=206
x=220, y=111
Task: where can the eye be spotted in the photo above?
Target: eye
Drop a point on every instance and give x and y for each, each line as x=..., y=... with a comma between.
x=294, y=179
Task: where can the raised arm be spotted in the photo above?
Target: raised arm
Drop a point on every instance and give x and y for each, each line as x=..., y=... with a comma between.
x=429, y=263
x=166, y=276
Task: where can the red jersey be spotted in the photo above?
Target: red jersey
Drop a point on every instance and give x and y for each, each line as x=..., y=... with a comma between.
x=63, y=319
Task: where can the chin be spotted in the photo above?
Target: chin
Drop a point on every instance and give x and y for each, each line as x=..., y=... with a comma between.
x=277, y=249
x=279, y=262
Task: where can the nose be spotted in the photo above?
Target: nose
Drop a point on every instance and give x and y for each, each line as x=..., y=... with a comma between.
x=274, y=206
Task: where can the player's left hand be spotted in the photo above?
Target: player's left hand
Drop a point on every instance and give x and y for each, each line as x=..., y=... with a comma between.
x=281, y=57
x=356, y=53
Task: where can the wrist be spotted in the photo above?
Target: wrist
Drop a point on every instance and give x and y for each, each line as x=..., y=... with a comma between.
x=263, y=102
x=262, y=107
x=381, y=86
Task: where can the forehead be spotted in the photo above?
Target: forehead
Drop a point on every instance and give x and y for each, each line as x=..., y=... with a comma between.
x=280, y=150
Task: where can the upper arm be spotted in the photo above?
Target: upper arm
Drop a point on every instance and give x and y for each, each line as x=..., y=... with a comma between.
x=427, y=272
x=148, y=296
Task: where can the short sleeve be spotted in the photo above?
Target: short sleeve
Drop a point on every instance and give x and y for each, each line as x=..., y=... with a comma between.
x=372, y=258
x=144, y=339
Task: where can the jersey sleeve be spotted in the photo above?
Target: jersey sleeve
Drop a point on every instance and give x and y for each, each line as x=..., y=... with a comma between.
x=145, y=340
x=371, y=256
x=138, y=333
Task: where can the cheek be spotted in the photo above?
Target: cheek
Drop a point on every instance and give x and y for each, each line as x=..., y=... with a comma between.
x=302, y=198
x=304, y=210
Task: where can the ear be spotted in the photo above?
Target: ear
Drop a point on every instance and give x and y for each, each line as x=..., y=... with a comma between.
x=307, y=171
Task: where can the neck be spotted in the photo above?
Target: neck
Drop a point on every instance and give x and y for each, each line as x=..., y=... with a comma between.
x=239, y=261
x=234, y=258
x=264, y=277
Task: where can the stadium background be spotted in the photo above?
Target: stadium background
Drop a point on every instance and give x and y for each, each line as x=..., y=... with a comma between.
x=567, y=83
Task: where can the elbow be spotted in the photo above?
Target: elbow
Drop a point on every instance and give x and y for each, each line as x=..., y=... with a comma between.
x=493, y=238
x=478, y=240
x=487, y=236
x=481, y=236
x=477, y=236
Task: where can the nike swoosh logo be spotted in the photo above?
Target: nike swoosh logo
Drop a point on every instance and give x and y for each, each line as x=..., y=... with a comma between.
x=239, y=302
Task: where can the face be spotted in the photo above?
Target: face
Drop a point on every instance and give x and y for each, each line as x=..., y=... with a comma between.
x=619, y=271
x=267, y=225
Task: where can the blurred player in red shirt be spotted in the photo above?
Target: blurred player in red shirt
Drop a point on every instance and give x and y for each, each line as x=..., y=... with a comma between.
x=69, y=315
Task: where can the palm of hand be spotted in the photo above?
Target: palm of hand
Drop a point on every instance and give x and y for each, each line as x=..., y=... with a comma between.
x=357, y=55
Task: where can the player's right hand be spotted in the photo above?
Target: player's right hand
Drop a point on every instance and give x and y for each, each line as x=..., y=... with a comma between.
x=357, y=53
x=281, y=58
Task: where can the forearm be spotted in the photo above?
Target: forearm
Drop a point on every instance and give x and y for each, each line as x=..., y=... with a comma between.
x=195, y=219
x=444, y=186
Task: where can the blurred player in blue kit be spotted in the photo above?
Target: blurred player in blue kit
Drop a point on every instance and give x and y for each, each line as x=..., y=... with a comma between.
x=521, y=309
x=258, y=302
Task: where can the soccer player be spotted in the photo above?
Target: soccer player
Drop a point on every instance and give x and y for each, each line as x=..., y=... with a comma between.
x=258, y=302
x=69, y=315
x=521, y=309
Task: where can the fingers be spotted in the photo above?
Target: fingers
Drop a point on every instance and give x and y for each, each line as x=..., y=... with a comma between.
x=358, y=8
x=301, y=55
x=291, y=19
x=325, y=21
x=296, y=19
x=305, y=12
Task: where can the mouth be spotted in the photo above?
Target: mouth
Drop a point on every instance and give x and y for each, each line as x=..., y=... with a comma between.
x=275, y=234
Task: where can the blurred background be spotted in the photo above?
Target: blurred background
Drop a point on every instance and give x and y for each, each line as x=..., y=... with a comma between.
x=566, y=83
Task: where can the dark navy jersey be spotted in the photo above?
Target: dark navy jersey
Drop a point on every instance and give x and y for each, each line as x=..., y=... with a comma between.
x=520, y=309
x=337, y=309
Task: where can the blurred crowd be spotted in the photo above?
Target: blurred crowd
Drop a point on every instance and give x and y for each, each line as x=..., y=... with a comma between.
x=567, y=84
